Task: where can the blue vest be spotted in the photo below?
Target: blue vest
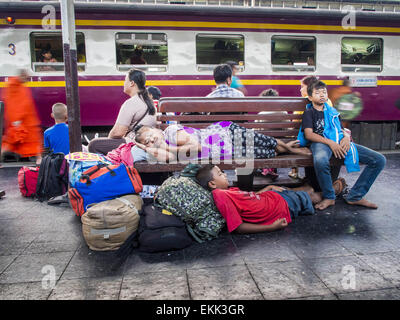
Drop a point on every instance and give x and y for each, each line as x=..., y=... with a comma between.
x=333, y=131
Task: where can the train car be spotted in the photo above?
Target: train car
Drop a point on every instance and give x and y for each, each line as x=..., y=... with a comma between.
x=178, y=44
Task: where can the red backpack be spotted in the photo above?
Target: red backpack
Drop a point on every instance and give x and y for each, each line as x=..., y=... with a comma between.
x=27, y=180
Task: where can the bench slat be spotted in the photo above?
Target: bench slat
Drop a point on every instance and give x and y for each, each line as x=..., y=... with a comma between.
x=251, y=125
x=245, y=117
x=247, y=104
x=281, y=161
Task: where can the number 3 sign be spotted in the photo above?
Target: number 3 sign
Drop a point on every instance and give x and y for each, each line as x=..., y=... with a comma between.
x=12, y=50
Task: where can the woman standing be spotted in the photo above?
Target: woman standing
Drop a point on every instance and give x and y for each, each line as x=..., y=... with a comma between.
x=139, y=108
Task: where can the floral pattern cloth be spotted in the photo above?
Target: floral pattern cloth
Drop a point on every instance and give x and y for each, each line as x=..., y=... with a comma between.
x=225, y=140
x=216, y=140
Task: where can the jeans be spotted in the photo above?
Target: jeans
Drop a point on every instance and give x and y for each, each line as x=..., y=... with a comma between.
x=374, y=161
x=299, y=202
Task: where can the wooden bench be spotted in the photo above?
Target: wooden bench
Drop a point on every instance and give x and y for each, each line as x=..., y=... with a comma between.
x=280, y=122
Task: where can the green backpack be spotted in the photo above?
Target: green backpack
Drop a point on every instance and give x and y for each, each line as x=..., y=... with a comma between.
x=185, y=198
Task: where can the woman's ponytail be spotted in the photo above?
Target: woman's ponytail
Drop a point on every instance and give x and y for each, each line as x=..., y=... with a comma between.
x=146, y=98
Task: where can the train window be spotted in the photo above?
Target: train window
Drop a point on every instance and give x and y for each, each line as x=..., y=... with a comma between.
x=214, y=49
x=47, y=51
x=145, y=51
x=362, y=54
x=293, y=53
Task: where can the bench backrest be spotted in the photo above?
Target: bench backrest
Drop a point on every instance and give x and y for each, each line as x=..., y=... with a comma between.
x=280, y=120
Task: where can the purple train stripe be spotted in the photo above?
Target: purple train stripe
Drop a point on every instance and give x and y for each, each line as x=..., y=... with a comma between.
x=100, y=104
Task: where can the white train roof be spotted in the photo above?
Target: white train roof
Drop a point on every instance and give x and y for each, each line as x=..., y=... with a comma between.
x=331, y=5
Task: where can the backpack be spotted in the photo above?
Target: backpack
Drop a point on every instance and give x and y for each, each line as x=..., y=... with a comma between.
x=160, y=230
x=103, y=182
x=53, y=176
x=27, y=180
x=107, y=225
x=185, y=198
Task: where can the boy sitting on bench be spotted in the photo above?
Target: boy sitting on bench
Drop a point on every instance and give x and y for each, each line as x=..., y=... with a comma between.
x=323, y=132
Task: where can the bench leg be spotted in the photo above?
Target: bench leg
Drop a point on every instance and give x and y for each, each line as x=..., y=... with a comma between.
x=245, y=182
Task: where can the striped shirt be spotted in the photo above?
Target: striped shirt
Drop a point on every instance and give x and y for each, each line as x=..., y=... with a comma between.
x=224, y=91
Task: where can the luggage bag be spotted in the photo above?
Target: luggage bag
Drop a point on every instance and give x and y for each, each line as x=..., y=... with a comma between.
x=101, y=183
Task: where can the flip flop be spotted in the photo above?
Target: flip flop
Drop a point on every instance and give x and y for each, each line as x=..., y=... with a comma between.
x=58, y=199
x=342, y=185
x=293, y=175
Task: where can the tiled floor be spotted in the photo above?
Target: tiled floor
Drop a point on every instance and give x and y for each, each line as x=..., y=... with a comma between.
x=340, y=253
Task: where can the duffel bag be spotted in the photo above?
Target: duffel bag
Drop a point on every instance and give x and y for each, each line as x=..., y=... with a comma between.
x=79, y=162
x=27, y=180
x=108, y=224
x=101, y=183
x=160, y=230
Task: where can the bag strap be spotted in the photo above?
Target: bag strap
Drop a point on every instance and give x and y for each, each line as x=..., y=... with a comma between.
x=106, y=233
x=98, y=167
x=137, y=122
x=123, y=200
x=42, y=177
x=128, y=203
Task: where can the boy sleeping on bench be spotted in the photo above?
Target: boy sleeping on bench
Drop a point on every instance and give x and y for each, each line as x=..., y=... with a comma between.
x=269, y=209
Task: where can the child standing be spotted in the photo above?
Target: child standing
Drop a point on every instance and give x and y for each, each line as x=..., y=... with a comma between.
x=56, y=138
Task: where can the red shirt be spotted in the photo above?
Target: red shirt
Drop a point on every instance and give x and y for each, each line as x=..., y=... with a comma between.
x=238, y=206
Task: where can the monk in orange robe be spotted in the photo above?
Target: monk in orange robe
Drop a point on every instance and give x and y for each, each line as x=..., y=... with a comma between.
x=23, y=134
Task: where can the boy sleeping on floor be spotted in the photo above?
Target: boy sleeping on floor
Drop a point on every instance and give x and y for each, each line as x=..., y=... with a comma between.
x=269, y=209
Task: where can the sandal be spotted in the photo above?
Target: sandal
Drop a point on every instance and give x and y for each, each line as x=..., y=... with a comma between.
x=58, y=199
x=293, y=175
x=342, y=185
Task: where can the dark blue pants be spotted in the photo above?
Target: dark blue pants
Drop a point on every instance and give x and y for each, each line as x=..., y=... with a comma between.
x=299, y=202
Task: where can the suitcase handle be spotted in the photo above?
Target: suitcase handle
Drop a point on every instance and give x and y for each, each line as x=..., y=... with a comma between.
x=86, y=178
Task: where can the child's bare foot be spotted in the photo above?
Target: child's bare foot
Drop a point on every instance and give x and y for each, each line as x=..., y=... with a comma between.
x=294, y=147
x=293, y=144
x=364, y=203
x=325, y=204
x=303, y=150
x=316, y=197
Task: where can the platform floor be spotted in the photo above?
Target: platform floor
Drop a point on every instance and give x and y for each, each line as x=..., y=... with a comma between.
x=343, y=252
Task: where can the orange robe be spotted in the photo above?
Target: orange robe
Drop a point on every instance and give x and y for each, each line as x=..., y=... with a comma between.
x=23, y=134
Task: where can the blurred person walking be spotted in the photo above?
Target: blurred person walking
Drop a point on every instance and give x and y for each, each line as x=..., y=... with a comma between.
x=236, y=83
x=23, y=134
